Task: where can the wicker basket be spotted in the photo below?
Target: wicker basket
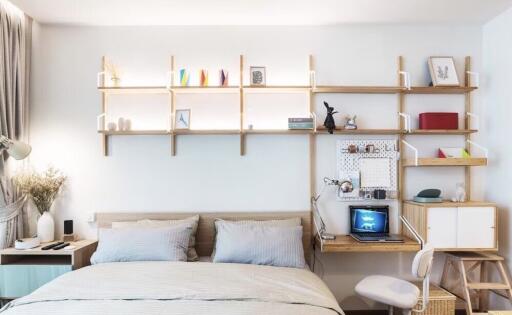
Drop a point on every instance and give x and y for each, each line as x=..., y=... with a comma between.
x=441, y=302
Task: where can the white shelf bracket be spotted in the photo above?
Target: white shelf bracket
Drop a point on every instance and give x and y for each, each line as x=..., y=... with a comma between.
x=312, y=79
x=407, y=121
x=169, y=125
x=476, y=118
x=313, y=115
x=484, y=149
x=100, y=120
x=412, y=148
x=169, y=75
x=100, y=79
x=406, y=79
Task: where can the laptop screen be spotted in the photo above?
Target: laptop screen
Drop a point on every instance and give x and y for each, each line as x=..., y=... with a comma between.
x=369, y=219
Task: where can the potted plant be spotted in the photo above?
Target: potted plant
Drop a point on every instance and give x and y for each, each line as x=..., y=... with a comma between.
x=43, y=188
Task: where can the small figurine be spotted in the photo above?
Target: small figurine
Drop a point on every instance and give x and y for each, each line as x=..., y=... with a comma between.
x=351, y=123
x=329, y=119
x=460, y=193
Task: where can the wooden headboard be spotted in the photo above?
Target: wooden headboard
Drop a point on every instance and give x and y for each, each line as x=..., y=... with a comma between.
x=205, y=236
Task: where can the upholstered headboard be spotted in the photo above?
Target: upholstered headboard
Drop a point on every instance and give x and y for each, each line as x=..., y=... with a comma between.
x=205, y=236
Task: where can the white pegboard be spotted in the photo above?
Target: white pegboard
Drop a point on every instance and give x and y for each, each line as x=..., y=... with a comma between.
x=348, y=165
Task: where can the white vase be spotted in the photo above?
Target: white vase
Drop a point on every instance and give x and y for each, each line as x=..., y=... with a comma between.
x=46, y=227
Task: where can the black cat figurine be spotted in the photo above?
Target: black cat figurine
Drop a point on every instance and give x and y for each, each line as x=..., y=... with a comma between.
x=329, y=119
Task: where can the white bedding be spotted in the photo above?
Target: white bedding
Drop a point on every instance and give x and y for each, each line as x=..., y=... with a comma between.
x=180, y=288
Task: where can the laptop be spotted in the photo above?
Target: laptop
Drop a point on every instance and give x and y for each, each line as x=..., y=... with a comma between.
x=371, y=224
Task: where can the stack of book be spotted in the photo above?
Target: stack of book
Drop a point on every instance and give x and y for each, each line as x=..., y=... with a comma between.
x=301, y=123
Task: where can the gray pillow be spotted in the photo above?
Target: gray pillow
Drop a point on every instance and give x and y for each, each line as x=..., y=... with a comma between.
x=142, y=244
x=284, y=222
x=279, y=246
x=193, y=220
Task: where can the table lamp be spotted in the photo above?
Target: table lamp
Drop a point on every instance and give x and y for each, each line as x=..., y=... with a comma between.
x=17, y=149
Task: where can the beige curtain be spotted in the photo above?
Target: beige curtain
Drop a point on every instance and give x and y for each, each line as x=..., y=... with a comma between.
x=15, y=42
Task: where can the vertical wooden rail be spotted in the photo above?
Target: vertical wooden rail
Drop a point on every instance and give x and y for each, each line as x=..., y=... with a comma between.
x=401, y=136
x=401, y=127
x=242, y=106
x=312, y=138
x=467, y=124
x=172, y=108
x=104, y=137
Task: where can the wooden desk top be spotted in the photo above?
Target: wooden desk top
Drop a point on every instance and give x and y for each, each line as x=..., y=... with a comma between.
x=346, y=243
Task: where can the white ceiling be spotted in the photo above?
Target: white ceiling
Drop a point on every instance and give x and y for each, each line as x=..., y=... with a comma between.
x=260, y=12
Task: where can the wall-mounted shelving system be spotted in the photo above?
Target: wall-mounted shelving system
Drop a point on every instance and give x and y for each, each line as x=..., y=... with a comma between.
x=310, y=91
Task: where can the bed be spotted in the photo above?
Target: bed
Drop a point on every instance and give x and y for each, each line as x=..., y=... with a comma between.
x=163, y=287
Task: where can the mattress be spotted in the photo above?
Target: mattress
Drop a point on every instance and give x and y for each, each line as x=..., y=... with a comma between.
x=180, y=288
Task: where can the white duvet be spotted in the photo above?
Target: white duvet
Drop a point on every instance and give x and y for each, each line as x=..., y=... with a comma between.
x=180, y=288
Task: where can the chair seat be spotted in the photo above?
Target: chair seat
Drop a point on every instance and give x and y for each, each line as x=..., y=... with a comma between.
x=389, y=290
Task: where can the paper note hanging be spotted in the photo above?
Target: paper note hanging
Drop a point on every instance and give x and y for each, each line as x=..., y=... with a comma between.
x=375, y=172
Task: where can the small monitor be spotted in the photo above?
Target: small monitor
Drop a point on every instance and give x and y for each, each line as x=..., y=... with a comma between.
x=369, y=219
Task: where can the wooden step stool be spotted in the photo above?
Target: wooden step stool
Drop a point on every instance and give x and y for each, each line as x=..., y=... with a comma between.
x=466, y=263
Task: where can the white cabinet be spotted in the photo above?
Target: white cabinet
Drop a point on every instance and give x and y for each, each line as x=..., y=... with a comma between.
x=476, y=227
x=454, y=226
x=440, y=227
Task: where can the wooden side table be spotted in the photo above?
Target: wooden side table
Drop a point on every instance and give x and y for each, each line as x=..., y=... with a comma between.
x=23, y=271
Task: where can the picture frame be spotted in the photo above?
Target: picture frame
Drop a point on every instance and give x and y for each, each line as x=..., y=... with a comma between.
x=182, y=119
x=258, y=76
x=443, y=71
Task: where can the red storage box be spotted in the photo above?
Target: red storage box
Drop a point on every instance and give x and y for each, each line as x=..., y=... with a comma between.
x=439, y=121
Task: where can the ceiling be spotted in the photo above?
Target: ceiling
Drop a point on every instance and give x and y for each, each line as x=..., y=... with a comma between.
x=260, y=12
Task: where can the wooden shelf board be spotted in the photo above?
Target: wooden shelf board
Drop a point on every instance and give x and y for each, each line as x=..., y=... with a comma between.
x=346, y=243
x=362, y=131
x=207, y=132
x=358, y=89
x=276, y=88
x=205, y=89
x=446, y=162
x=439, y=90
x=134, y=89
x=134, y=132
x=277, y=131
x=440, y=132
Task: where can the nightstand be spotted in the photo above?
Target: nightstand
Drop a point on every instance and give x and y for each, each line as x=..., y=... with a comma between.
x=23, y=271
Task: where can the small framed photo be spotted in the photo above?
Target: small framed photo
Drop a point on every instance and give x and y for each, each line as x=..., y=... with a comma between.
x=443, y=71
x=258, y=76
x=182, y=119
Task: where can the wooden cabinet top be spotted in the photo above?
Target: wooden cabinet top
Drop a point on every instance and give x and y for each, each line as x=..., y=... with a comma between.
x=78, y=257
x=448, y=204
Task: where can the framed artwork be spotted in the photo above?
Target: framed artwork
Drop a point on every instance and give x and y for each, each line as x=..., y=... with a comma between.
x=442, y=71
x=182, y=119
x=258, y=76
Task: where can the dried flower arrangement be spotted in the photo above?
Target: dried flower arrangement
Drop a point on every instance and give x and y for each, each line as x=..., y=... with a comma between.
x=42, y=187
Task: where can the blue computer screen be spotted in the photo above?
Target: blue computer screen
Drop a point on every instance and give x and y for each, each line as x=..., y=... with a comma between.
x=368, y=221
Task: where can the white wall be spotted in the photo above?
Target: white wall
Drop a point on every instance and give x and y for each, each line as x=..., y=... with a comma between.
x=208, y=174
x=497, y=43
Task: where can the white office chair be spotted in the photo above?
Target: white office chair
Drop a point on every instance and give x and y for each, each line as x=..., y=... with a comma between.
x=400, y=293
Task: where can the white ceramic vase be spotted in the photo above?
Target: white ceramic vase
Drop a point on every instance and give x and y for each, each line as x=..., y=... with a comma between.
x=46, y=227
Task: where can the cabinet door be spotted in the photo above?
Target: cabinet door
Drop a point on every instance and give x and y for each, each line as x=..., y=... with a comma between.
x=442, y=227
x=476, y=227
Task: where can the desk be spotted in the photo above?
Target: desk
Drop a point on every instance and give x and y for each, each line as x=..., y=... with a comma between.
x=346, y=243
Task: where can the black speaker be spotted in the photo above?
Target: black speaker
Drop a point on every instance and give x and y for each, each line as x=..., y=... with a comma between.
x=379, y=194
x=68, y=227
